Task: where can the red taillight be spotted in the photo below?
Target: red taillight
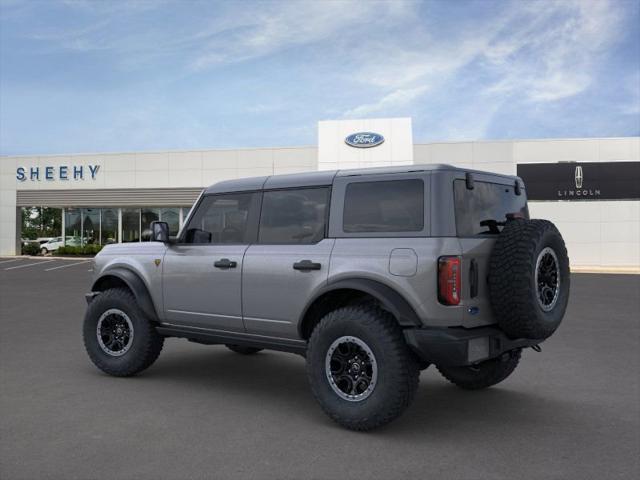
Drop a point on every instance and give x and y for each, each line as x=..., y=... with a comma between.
x=449, y=280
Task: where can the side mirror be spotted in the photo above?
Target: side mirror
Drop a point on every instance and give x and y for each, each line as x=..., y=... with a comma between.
x=160, y=232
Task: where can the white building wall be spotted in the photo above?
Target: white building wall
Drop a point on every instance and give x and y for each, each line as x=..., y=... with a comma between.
x=7, y=207
x=598, y=233
x=335, y=154
x=198, y=168
x=601, y=233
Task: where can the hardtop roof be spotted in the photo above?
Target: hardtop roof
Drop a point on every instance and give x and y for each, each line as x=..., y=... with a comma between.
x=326, y=177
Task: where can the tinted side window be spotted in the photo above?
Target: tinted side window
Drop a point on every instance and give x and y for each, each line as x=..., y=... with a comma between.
x=487, y=201
x=222, y=219
x=293, y=216
x=384, y=206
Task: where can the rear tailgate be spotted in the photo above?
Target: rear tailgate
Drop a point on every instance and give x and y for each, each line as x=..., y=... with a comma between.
x=481, y=207
x=475, y=290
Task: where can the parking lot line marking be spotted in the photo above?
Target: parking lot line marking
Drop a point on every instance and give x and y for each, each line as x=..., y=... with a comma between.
x=9, y=261
x=30, y=264
x=65, y=266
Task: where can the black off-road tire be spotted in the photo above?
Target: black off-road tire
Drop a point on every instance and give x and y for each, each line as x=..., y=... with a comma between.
x=145, y=346
x=243, y=350
x=484, y=374
x=397, y=367
x=513, y=289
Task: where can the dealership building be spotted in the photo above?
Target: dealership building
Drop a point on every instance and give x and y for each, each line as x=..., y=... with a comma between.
x=589, y=187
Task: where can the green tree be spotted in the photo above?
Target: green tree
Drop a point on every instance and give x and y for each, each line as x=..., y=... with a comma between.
x=41, y=222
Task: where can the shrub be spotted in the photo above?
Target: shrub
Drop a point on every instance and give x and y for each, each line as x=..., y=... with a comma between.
x=31, y=249
x=84, y=250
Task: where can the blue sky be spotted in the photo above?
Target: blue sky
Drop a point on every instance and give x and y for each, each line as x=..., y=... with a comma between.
x=85, y=76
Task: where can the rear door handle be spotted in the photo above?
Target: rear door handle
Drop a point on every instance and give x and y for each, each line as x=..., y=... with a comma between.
x=225, y=263
x=306, y=265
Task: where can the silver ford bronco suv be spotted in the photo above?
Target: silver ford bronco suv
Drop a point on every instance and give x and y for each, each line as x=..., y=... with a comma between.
x=371, y=275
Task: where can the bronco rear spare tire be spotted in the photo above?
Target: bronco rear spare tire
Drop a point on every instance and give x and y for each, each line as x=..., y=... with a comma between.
x=529, y=279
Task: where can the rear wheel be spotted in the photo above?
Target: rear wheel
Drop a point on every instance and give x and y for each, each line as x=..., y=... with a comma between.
x=118, y=337
x=361, y=371
x=242, y=349
x=483, y=375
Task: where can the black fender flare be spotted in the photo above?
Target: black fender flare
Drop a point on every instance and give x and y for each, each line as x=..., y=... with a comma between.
x=390, y=299
x=135, y=284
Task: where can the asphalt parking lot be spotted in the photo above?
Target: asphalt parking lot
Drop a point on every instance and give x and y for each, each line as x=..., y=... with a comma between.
x=572, y=411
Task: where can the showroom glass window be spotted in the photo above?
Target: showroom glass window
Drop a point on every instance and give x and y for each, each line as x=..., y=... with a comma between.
x=72, y=226
x=109, y=226
x=148, y=215
x=90, y=226
x=130, y=224
x=223, y=219
x=172, y=217
x=384, y=206
x=293, y=216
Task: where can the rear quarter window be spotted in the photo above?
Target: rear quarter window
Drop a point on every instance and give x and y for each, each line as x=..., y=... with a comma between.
x=487, y=201
x=384, y=206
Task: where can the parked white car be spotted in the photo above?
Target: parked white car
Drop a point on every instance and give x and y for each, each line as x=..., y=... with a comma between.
x=52, y=245
x=57, y=242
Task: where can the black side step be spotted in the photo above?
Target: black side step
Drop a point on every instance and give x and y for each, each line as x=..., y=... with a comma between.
x=214, y=337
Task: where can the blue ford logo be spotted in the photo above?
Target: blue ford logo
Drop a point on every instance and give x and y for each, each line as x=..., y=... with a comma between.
x=364, y=139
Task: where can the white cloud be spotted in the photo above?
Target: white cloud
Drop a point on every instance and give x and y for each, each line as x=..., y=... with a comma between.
x=276, y=26
x=454, y=71
x=551, y=55
x=397, y=98
x=631, y=105
x=536, y=51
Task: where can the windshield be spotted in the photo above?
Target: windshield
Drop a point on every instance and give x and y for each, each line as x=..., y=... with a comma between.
x=481, y=211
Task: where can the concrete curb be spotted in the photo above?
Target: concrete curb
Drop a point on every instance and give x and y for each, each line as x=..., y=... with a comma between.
x=40, y=258
x=612, y=270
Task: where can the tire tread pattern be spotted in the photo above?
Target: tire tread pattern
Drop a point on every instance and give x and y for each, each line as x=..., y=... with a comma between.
x=405, y=367
x=137, y=360
x=511, y=266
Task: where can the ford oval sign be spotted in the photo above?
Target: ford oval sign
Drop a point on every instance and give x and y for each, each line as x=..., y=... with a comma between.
x=364, y=139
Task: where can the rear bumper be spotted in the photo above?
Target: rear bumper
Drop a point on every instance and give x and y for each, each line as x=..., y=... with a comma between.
x=461, y=346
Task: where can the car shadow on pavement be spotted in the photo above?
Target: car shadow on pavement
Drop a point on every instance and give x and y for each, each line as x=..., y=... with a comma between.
x=280, y=380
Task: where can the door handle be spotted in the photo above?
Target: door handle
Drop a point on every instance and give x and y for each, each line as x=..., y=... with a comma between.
x=473, y=279
x=225, y=263
x=306, y=265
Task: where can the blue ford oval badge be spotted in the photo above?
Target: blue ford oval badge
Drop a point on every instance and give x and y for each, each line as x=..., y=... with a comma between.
x=364, y=139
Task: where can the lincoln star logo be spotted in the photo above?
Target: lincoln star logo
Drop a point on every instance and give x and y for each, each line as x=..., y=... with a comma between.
x=580, y=191
x=364, y=139
x=579, y=177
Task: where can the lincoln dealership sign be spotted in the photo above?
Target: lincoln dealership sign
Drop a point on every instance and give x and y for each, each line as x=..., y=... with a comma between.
x=581, y=180
x=364, y=139
x=62, y=172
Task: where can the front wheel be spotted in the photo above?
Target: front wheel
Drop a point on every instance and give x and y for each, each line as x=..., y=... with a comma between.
x=44, y=251
x=485, y=374
x=118, y=337
x=361, y=371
